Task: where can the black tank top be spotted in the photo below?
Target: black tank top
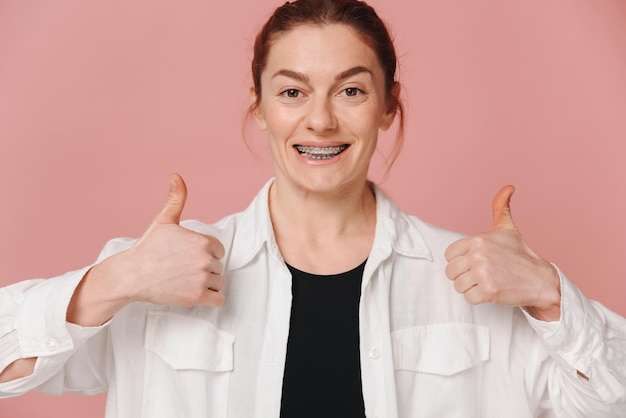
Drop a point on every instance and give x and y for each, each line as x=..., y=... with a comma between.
x=323, y=369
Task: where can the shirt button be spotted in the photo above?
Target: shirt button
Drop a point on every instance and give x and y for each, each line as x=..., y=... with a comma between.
x=374, y=354
x=566, y=348
x=51, y=345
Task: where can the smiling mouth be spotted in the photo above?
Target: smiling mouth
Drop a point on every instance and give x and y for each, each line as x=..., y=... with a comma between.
x=320, y=153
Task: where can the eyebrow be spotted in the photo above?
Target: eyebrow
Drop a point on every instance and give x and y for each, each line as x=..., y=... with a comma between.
x=353, y=71
x=341, y=76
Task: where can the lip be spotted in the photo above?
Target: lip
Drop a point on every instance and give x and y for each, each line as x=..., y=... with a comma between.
x=334, y=150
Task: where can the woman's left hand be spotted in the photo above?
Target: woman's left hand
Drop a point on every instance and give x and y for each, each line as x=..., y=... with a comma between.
x=499, y=267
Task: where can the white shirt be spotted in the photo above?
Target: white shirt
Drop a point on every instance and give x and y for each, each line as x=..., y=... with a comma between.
x=425, y=352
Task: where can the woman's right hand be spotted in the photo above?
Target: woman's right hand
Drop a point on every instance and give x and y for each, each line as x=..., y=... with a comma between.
x=168, y=265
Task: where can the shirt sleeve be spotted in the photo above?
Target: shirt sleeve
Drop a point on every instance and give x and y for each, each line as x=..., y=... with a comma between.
x=590, y=339
x=33, y=324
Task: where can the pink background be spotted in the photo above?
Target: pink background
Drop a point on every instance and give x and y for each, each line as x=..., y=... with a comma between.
x=100, y=101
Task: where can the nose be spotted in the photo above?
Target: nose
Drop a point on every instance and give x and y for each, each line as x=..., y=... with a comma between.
x=320, y=116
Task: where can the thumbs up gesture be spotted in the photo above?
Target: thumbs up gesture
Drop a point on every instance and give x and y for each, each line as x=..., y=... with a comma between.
x=499, y=267
x=176, y=266
x=169, y=265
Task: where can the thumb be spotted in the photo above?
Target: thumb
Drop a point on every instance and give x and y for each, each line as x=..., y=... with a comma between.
x=176, y=196
x=501, y=208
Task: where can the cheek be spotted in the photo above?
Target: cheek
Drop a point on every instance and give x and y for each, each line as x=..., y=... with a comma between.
x=279, y=122
x=366, y=124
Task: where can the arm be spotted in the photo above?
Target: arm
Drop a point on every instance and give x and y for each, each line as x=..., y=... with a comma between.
x=34, y=336
x=585, y=372
x=19, y=368
x=168, y=265
x=586, y=341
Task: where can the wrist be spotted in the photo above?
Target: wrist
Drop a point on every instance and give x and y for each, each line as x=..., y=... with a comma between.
x=548, y=306
x=99, y=295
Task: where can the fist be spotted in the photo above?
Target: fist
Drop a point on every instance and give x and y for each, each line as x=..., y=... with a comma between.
x=499, y=267
x=171, y=265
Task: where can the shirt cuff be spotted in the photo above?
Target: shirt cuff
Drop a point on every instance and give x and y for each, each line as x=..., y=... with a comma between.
x=577, y=335
x=42, y=329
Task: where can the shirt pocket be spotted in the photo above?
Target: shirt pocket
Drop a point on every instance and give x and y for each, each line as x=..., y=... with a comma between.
x=443, y=349
x=437, y=363
x=188, y=365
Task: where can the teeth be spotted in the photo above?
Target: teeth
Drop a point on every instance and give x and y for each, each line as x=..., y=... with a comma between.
x=320, y=153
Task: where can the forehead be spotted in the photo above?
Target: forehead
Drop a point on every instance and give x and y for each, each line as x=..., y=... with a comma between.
x=311, y=48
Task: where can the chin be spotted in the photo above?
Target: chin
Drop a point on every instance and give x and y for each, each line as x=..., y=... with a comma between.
x=329, y=184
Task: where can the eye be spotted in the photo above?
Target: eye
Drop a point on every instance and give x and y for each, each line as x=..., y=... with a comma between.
x=291, y=93
x=352, y=92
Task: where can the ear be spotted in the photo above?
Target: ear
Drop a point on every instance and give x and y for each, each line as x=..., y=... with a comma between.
x=392, y=107
x=255, y=108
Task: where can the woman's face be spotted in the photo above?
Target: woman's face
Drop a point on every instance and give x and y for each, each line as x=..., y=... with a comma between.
x=323, y=102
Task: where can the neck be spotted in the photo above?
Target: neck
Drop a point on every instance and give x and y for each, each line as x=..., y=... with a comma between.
x=319, y=216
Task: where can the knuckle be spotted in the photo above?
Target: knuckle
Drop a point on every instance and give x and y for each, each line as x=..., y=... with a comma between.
x=458, y=287
x=196, y=295
x=217, y=282
x=204, y=265
x=216, y=246
x=218, y=267
x=216, y=299
x=480, y=267
x=448, y=254
x=209, y=266
x=201, y=240
x=473, y=299
x=490, y=290
x=478, y=241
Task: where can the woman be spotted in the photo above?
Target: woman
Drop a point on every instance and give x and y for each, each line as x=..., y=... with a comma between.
x=322, y=298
